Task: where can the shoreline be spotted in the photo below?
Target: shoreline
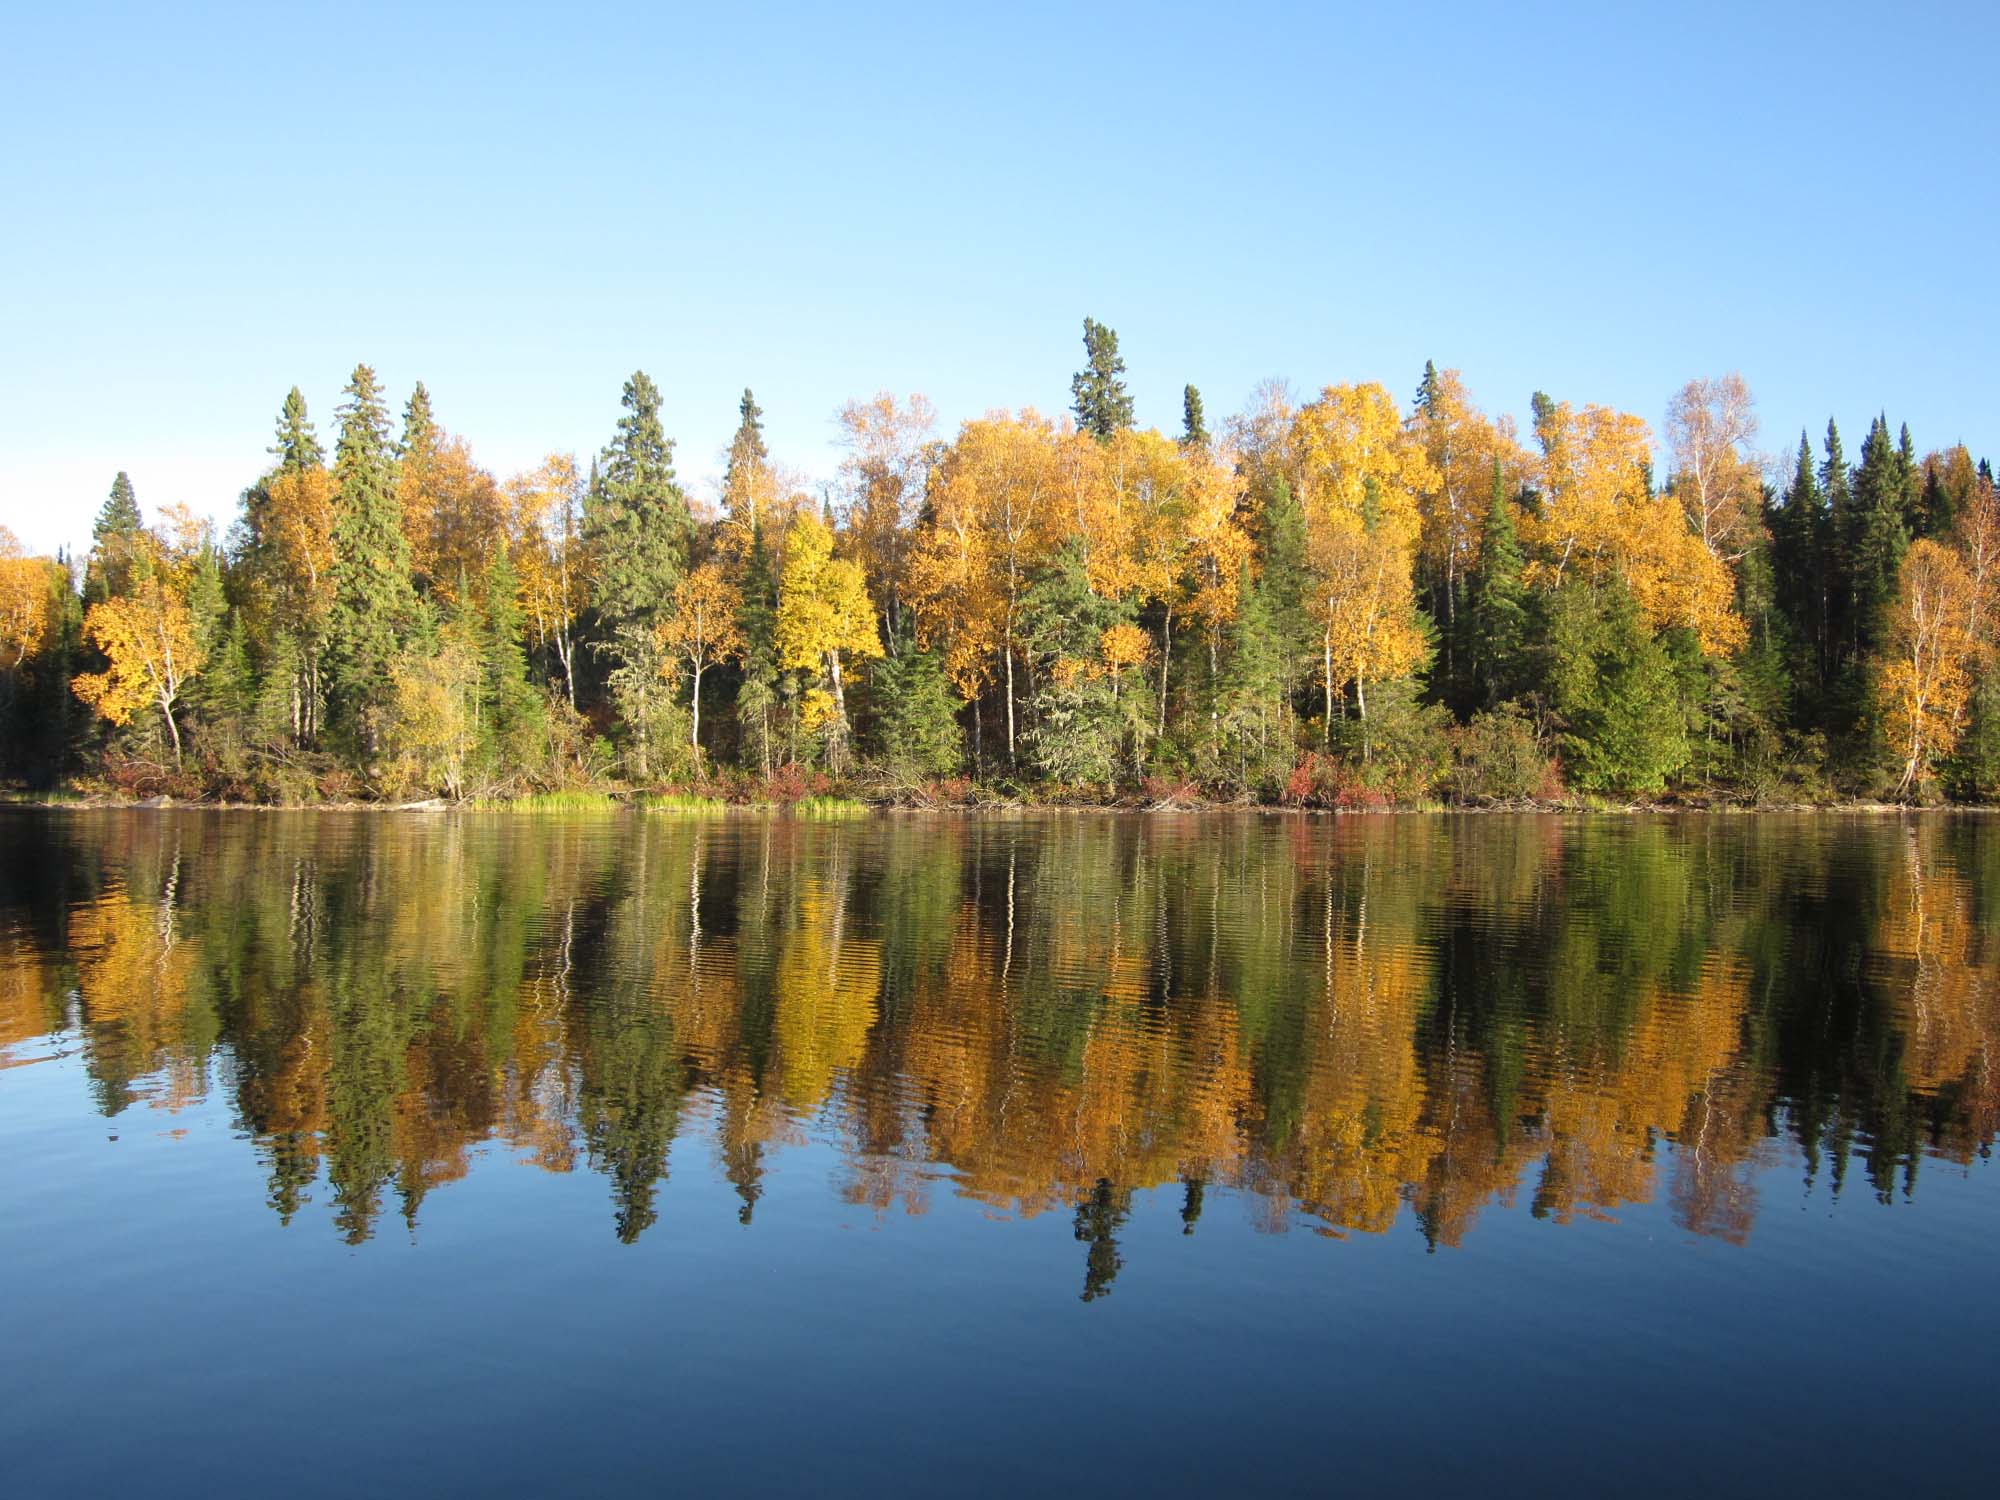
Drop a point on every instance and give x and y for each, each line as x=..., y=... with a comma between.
x=626, y=805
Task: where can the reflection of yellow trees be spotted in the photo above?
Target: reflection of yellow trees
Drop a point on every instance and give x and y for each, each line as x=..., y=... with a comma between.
x=27, y=980
x=827, y=981
x=132, y=974
x=1045, y=1015
x=1943, y=964
x=1604, y=1113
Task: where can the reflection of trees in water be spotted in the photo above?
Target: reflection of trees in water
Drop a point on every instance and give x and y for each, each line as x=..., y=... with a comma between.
x=1335, y=1017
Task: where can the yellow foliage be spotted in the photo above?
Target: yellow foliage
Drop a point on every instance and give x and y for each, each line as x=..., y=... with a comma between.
x=453, y=515
x=148, y=640
x=28, y=588
x=1925, y=686
x=1597, y=517
x=1356, y=459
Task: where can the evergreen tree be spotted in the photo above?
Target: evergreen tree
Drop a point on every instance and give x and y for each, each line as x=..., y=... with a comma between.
x=1255, y=682
x=1101, y=403
x=1877, y=535
x=746, y=449
x=757, y=696
x=507, y=697
x=635, y=517
x=372, y=595
x=114, y=543
x=1194, y=426
x=916, y=726
x=1617, y=692
x=1800, y=530
x=1081, y=720
x=1836, y=486
x=1427, y=389
x=1286, y=581
x=298, y=445
x=420, y=430
x=1499, y=614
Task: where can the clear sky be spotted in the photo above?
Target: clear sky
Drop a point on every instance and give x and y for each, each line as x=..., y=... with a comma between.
x=204, y=206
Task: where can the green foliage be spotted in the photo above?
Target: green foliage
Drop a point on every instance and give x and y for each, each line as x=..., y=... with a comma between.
x=635, y=517
x=1498, y=757
x=1403, y=749
x=1194, y=425
x=298, y=445
x=1081, y=722
x=374, y=599
x=114, y=538
x=1616, y=691
x=915, y=731
x=1100, y=401
x=1254, y=718
x=1498, y=650
x=642, y=687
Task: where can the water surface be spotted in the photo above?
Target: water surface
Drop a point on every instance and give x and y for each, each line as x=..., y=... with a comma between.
x=509, y=1154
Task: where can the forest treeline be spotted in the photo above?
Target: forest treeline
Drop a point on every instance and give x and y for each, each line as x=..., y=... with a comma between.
x=1331, y=602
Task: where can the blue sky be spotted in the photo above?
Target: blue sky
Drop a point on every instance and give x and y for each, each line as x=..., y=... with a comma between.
x=207, y=205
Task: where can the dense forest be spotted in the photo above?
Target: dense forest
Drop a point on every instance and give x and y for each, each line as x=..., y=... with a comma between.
x=1332, y=602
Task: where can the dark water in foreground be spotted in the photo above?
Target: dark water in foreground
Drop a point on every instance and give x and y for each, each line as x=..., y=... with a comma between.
x=344, y=1154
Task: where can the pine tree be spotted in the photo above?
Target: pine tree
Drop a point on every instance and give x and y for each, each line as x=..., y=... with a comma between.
x=1286, y=581
x=298, y=445
x=1194, y=426
x=916, y=728
x=1101, y=403
x=1499, y=613
x=1877, y=535
x=635, y=518
x=1079, y=722
x=1617, y=692
x=1800, y=530
x=1427, y=389
x=114, y=543
x=746, y=449
x=372, y=596
x=757, y=696
x=420, y=430
x=1251, y=699
x=507, y=697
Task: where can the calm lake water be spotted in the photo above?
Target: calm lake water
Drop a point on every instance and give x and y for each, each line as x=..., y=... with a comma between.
x=344, y=1153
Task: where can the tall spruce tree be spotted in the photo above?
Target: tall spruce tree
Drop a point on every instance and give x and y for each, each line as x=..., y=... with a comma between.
x=1101, y=403
x=297, y=446
x=372, y=597
x=1800, y=530
x=1616, y=691
x=420, y=429
x=114, y=543
x=1427, y=388
x=746, y=449
x=1878, y=535
x=1499, y=613
x=508, y=702
x=635, y=517
x=1194, y=424
x=757, y=696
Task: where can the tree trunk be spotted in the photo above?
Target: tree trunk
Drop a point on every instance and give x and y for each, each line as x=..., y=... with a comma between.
x=1166, y=656
x=839, y=744
x=173, y=729
x=694, y=731
x=1327, y=670
x=1009, y=652
x=1361, y=700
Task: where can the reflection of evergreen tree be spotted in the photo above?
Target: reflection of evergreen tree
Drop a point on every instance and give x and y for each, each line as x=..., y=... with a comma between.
x=1098, y=1220
x=1191, y=1204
